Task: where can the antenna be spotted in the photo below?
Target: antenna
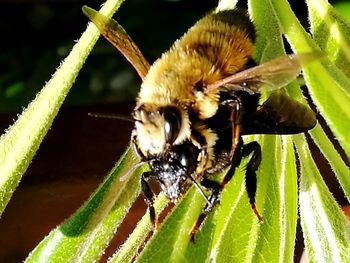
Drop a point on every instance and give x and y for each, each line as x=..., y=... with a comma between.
x=200, y=190
x=111, y=116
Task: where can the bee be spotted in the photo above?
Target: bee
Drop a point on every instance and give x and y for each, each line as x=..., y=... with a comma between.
x=198, y=100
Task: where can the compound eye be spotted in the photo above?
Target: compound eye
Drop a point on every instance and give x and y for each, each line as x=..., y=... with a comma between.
x=172, y=123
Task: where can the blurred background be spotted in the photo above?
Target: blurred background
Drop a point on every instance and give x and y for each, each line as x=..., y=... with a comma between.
x=78, y=151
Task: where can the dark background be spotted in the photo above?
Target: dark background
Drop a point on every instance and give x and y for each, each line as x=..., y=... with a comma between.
x=36, y=35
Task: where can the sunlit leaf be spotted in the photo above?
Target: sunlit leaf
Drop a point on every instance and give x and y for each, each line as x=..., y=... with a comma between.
x=331, y=32
x=325, y=227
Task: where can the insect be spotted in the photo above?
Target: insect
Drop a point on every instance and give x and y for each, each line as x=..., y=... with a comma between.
x=199, y=98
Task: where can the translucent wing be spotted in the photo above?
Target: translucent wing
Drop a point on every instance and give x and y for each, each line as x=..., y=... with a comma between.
x=117, y=36
x=273, y=74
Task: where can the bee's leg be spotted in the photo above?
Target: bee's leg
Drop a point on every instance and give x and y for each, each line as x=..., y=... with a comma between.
x=234, y=106
x=213, y=200
x=149, y=197
x=250, y=175
x=235, y=127
x=236, y=161
x=203, y=155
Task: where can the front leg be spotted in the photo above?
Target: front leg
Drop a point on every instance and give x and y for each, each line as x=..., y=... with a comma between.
x=149, y=197
x=203, y=157
x=213, y=200
x=234, y=107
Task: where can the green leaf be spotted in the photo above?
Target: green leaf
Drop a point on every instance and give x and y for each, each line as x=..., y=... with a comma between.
x=343, y=9
x=326, y=229
x=340, y=169
x=288, y=190
x=331, y=32
x=273, y=239
x=269, y=43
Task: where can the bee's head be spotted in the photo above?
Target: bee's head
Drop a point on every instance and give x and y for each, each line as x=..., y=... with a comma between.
x=158, y=128
x=173, y=170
